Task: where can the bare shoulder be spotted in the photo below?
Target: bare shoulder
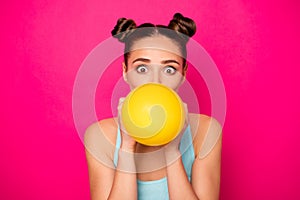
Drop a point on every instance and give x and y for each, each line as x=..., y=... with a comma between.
x=106, y=128
x=100, y=139
x=206, y=131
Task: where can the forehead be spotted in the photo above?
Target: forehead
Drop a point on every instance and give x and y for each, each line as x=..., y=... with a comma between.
x=156, y=43
x=153, y=55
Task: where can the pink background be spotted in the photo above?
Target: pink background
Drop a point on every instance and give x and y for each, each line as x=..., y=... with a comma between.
x=43, y=43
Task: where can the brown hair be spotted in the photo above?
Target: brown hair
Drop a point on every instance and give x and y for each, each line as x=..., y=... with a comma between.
x=179, y=30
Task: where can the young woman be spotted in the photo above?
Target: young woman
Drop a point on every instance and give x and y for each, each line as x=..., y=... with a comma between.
x=186, y=168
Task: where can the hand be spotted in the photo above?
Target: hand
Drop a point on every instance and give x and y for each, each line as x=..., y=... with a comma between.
x=128, y=143
x=172, y=148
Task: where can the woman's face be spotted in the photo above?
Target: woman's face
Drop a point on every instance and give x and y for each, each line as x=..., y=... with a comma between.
x=154, y=60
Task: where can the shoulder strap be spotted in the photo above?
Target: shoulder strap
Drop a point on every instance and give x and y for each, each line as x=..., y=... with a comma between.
x=187, y=151
x=118, y=144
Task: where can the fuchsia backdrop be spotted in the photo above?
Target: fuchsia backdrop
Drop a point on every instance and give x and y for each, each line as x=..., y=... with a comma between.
x=43, y=43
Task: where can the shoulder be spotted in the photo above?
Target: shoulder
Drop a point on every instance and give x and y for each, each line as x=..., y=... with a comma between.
x=206, y=131
x=104, y=128
x=100, y=138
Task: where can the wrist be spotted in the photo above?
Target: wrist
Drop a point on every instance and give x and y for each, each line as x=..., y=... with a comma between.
x=172, y=155
x=130, y=148
x=128, y=143
x=126, y=161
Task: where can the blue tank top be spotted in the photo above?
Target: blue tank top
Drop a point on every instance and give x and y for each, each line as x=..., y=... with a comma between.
x=158, y=189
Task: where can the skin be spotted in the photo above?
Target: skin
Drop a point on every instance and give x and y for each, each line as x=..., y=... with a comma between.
x=160, y=65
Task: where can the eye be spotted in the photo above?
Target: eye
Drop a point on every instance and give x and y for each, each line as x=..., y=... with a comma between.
x=142, y=69
x=170, y=70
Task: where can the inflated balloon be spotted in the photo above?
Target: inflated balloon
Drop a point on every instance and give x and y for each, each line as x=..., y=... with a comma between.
x=153, y=114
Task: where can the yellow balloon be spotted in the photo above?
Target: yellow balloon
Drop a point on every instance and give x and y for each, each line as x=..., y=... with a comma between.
x=153, y=114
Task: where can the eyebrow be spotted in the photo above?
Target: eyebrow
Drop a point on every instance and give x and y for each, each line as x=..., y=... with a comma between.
x=146, y=60
x=169, y=61
x=142, y=60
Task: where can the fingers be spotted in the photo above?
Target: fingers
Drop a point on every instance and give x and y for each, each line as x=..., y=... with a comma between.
x=128, y=143
x=121, y=101
x=186, y=111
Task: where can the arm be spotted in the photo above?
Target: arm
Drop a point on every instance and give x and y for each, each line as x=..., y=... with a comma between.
x=125, y=184
x=106, y=182
x=100, y=178
x=178, y=183
x=206, y=168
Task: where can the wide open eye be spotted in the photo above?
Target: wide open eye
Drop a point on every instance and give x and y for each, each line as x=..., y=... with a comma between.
x=170, y=70
x=142, y=69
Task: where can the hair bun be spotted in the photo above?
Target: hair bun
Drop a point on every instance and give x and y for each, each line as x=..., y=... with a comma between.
x=123, y=28
x=183, y=25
